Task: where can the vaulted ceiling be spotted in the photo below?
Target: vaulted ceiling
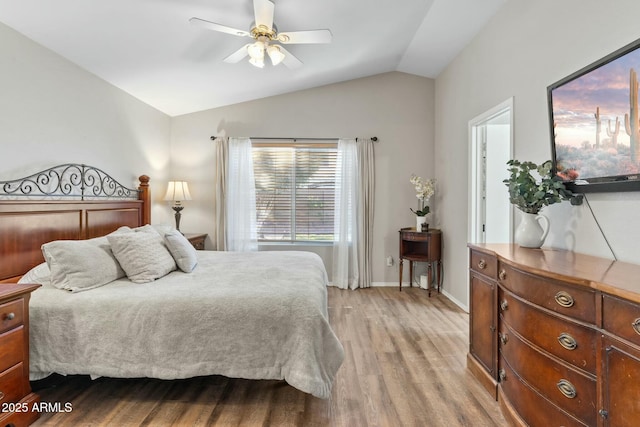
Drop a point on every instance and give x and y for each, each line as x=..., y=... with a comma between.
x=148, y=48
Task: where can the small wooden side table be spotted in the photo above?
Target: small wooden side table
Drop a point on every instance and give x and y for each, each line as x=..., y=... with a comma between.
x=421, y=246
x=16, y=396
x=196, y=239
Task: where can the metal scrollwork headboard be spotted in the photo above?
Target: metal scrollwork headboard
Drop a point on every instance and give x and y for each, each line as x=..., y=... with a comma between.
x=75, y=181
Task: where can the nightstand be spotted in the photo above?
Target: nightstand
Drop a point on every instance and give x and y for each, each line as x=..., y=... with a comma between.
x=16, y=396
x=197, y=240
x=421, y=246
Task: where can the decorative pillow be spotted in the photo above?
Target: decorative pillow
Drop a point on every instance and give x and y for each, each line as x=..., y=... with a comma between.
x=182, y=251
x=80, y=265
x=39, y=274
x=147, y=228
x=143, y=256
x=160, y=229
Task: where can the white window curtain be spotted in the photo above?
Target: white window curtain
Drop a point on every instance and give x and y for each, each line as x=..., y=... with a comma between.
x=235, y=196
x=353, y=223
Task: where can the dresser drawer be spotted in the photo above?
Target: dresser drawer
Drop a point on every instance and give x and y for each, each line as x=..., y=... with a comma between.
x=569, y=341
x=569, y=389
x=12, y=384
x=11, y=314
x=568, y=300
x=413, y=236
x=198, y=244
x=621, y=318
x=197, y=240
x=483, y=263
x=530, y=405
x=11, y=348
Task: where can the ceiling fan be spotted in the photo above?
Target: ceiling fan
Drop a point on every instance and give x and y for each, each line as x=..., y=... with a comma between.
x=267, y=38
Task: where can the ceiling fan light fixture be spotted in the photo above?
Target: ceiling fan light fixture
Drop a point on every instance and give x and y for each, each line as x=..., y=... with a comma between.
x=275, y=54
x=256, y=50
x=256, y=53
x=264, y=32
x=257, y=62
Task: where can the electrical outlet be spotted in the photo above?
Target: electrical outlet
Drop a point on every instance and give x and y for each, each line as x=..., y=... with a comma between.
x=389, y=261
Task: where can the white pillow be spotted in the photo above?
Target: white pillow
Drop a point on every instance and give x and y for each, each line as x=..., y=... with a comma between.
x=160, y=229
x=143, y=256
x=39, y=274
x=163, y=228
x=182, y=251
x=80, y=265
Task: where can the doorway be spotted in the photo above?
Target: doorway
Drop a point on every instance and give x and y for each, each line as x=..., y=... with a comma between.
x=491, y=146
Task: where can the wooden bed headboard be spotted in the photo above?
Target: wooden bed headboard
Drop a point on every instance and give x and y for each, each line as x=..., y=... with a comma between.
x=31, y=212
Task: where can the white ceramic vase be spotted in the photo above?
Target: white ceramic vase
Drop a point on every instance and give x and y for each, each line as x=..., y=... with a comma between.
x=532, y=230
x=419, y=221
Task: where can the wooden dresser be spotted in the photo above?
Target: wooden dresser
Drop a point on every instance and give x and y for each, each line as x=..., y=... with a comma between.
x=555, y=335
x=16, y=398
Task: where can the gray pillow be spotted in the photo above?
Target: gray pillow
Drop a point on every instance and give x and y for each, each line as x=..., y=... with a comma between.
x=182, y=251
x=143, y=256
x=80, y=265
x=161, y=229
x=39, y=274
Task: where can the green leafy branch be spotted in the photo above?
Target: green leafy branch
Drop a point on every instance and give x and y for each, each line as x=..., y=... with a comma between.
x=529, y=194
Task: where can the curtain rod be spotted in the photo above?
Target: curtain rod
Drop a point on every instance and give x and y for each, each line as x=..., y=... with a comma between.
x=373, y=138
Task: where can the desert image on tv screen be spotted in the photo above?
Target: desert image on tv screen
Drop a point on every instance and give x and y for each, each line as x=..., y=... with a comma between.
x=595, y=118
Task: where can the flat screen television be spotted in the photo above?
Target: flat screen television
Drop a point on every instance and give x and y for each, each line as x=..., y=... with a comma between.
x=595, y=128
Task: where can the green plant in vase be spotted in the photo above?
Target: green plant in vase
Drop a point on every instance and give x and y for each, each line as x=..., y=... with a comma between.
x=530, y=194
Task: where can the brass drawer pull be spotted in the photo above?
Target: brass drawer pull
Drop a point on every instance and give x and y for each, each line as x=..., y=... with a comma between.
x=502, y=275
x=566, y=388
x=502, y=375
x=504, y=305
x=567, y=341
x=482, y=264
x=10, y=316
x=504, y=339
x=636, y=325
x=564, y=299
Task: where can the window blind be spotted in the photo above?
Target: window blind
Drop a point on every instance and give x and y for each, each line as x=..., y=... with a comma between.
x=295, y=190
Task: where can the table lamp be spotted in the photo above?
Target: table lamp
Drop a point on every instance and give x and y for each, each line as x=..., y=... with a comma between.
x=177, y=192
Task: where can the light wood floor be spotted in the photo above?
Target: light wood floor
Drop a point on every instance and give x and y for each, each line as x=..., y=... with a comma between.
x=404, y=366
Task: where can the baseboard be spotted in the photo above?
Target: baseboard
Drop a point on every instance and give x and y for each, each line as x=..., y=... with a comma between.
x=455, y=301
x=406, y=285
x=387, y=284
x=384, y=284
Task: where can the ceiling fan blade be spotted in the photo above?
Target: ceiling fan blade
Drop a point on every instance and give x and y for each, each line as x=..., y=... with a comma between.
x=263, y=10
x=289, y=60
x=218, y=27
x=312, y=36
x=238, y=55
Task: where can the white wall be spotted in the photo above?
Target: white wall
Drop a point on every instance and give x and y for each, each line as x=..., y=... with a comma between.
x=53, y=112
x=524, y=48
x=395, y=107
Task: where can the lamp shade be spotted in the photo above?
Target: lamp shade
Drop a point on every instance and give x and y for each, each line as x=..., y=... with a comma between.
x=275, y=54
x=256, y=50
x=177, y=191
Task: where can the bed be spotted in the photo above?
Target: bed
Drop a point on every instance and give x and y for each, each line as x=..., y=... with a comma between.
x=259, y=315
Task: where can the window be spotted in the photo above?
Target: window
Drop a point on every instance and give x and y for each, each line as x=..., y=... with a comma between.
x=295, y=188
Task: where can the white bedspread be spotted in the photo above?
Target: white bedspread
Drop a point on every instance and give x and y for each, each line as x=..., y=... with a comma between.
x=260, y=315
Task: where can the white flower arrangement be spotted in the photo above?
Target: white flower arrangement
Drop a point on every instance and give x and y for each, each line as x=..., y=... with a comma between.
x=424, y=190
